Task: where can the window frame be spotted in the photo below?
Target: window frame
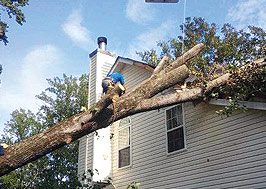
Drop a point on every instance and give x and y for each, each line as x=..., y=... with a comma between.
x=184, y=130
x=130, y=141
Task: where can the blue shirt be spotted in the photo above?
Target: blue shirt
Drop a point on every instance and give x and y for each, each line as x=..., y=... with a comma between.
x=117, y=77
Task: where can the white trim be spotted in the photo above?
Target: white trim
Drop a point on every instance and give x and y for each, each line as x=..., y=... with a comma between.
x=120, y=61
x=128, y=61
x=113, y=68
x=249, y=105
x=129, y=125
x=184, y=130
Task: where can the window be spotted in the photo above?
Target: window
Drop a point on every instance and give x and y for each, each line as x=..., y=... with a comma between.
x=124, y=143
x=175, y=131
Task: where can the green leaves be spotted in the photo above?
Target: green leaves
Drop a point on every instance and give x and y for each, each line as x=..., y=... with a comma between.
x=226, y=49
x=134, y=185
x=243, y=85
x=63, y=98
x=149, y=56
x=12, y=8
x=21, y=125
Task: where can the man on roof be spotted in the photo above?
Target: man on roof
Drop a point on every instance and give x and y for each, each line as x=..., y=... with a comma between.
x=111, y=81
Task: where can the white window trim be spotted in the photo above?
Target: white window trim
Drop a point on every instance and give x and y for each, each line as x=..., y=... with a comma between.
x=130, y=146
x=184, y=130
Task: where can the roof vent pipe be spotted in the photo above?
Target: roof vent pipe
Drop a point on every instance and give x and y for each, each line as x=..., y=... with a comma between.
x=102, y=42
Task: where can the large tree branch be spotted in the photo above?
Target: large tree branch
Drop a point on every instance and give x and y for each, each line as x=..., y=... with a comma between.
x=185, y=57
x=197, y=93
x=161, y=65
x=97, y=117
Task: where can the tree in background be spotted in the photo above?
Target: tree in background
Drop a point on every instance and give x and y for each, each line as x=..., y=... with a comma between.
x=12, y=8
x=226, y=47
x=62, y=99
x=225, y=51
x=21, y=125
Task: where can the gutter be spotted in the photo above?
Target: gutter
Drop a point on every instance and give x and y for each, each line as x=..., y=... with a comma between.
x=249, y=105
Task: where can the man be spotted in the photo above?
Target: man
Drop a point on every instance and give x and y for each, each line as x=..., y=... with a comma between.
x=111, y=81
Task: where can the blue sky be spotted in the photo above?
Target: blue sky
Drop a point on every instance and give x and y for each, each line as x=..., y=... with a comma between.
x=59, y=35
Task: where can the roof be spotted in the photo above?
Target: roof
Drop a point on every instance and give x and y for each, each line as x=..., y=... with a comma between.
x=120, y=63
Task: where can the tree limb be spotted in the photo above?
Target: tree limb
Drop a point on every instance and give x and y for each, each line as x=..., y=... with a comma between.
x=161, y=65
x=186, y=56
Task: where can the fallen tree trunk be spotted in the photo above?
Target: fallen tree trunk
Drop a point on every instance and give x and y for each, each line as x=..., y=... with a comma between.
x=141, y=99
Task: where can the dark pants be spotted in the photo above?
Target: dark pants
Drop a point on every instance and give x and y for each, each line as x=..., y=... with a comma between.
x=1, y=151
x=107, y=84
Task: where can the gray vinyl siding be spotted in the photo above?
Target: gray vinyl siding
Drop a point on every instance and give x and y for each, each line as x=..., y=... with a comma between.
x=134, y=75
x=92, y=81
x=90, y=152
x=221, y=153
x=82, y=154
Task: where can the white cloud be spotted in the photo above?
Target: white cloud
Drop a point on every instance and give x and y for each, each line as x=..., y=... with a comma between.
x=39, y=64
x=251, y=12
x=76, y=32
x=27, y=79
x=148, y=40
x=139, y=12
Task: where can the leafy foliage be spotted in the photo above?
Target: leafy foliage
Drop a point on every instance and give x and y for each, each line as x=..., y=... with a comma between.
x=62, y=99
x=228, y=47
x=12, y=8
x=245, y=84
x=89, y=184
x=134, y=185
x=225, y=51
x=150, y=57
x=22, y=124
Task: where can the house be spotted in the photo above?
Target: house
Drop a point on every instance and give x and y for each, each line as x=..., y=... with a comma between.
x=182, y=146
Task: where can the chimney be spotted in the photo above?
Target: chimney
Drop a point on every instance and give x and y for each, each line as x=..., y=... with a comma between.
x=102, y=42
x=95, y=153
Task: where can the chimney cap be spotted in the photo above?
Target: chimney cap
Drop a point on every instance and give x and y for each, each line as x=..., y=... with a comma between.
x=102, y=39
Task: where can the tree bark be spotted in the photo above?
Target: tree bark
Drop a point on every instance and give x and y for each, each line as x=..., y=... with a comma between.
x=161, y=65
x=143, y=98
